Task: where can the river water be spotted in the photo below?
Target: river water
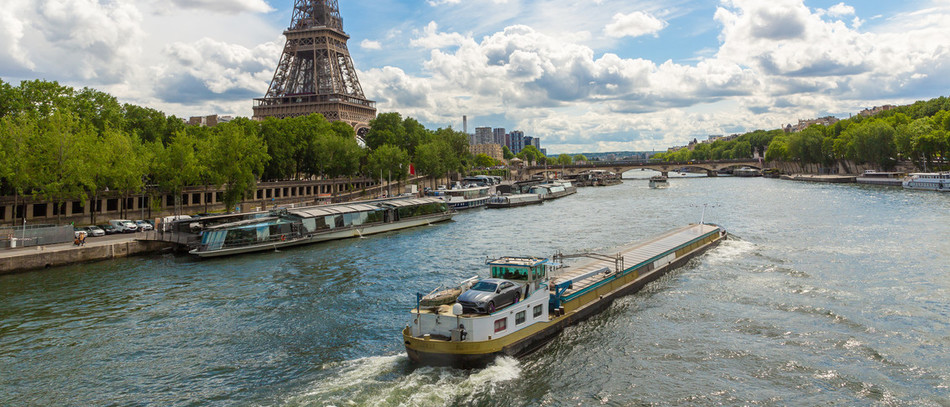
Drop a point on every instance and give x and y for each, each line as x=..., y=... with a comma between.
x=823, y=294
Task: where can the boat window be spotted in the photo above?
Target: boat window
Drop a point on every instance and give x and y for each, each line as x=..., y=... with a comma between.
x=338, y=221
x=537, y=310
x=484, y=286
x=501, y=325
x=374, y=217
x=520, y=317
x=238, y=237
x=214, y=240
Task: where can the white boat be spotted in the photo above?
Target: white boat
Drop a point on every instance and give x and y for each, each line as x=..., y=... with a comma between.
x=553, y=190
x=511, y=201
x=872, y=177
x=930, y=181
x=465, y=198
x=659, y=181
x=313, y=224
x=746, y=172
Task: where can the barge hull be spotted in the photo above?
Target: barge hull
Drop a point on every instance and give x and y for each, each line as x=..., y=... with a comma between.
x=477, y=355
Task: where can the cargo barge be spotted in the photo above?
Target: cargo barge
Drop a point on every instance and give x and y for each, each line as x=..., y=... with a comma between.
x=467, y=329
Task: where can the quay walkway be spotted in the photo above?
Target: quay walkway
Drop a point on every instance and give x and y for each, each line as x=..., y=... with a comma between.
x=62, y=254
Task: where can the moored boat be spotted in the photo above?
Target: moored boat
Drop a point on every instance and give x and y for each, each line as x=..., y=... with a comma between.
x=881, y=178
x=511, y=201
x=291, y=227
x=930, y=181
x=529, y=300
x=746, y=172
x=464, y=198
x=553, y=190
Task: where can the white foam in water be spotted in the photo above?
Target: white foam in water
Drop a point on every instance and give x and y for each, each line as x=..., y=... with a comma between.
x=378, y=381
x=729, y=250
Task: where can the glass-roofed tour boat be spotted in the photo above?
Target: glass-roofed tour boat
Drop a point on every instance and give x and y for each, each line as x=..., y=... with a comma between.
x=291, y=227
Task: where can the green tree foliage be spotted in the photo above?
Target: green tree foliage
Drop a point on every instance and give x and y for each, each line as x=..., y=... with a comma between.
x=777, y=149
x=564, y=159
x=531, y=154
x=506, y=153
x=390, y=128
x=388, y=162
x=239, y=158
x=580, y=158
x=873, y=142
x=62, y=145
x=484, y=161
x=805, y=146
x=178, y=166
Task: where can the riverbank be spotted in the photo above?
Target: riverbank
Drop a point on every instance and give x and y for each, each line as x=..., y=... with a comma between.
x=835, y=179
x=63, y=254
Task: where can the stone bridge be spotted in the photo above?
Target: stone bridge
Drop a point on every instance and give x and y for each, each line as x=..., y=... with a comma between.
x=619, y=167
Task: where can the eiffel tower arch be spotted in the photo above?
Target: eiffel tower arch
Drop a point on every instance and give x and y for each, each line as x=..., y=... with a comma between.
x=315, y=73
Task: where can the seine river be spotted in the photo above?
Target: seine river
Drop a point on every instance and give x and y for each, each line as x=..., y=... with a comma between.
x=823, y=295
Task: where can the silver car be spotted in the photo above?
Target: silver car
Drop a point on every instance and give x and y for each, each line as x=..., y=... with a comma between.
x=489, y=295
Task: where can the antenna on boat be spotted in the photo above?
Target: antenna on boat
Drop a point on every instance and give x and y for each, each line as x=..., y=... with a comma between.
x=702, y=218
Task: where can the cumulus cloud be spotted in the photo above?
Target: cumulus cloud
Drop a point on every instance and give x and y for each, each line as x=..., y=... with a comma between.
x=840, y=10
x=431, y=38
x=635, y=24
x=72, y=38
x=224, y=6
x=374, y=45
x=209, y=69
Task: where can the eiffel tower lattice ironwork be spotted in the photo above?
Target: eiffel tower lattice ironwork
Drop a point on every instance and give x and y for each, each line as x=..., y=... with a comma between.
x=315, y=73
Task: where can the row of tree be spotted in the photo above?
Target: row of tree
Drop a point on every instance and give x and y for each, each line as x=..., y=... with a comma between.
x=919, y=132
x=880, y=140
x=58, y=144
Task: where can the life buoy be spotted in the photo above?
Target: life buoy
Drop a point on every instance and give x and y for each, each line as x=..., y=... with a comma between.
x=282, y=238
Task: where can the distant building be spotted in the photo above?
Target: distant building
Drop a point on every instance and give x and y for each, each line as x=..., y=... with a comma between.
x=491, y=149
x=824, y=121
x=517, y=141
x=208, y=121
x=483, y=135
x=498, y=136
x=875, y=110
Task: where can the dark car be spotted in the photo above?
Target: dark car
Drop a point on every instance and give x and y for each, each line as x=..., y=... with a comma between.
x=489, y=295
x=109, y=229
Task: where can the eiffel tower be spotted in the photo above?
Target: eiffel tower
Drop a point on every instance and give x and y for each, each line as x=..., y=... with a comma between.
x=315, y=73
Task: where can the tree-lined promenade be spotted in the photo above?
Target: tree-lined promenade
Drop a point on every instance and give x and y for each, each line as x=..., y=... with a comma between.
x=919, y=132
x=59, y=144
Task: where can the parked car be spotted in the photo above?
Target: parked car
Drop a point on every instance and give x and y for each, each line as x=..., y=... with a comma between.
x=94, y=231
x=124, y=225
x=144, y=225
x=109, y=229
x=489, y=295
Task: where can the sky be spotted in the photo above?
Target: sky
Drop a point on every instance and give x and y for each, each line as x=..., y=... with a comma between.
x=583, y=75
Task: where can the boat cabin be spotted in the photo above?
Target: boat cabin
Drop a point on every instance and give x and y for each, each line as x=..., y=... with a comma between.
x=519, y=268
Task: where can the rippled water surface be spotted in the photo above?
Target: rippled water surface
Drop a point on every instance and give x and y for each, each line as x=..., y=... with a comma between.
x=824, y=294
